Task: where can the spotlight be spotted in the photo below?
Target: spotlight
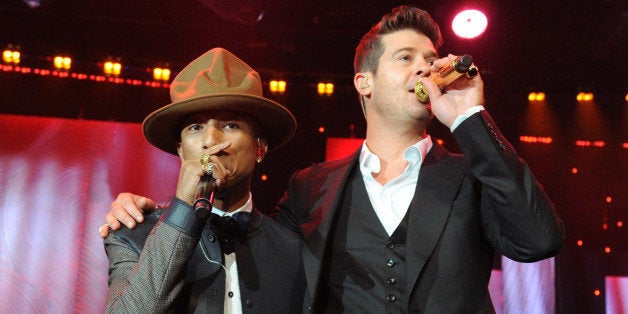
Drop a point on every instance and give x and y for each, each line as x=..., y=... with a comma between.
x=11, y=55
x=469, y=24
x=112, y=68
x=536, y=96
x=161, y=74
x=62, y=62
x=277, y=87
x=325, y=88
x=584, y=96
x=33, y=4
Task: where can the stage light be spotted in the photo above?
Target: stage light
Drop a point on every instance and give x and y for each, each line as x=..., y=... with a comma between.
x=325, y=88
x=536, y=96
x=626, y=98
x=33, y=4
x=62, y=63
x=536, y=139
x=584, y=96
x=11, y=55
x=112, y=68
x=161, y=74
x=469, y=24
x=278, y=87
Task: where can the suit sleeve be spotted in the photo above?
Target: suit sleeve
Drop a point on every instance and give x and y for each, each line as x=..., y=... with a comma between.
x=518, y=217
x=150, y=280
x=286, y=209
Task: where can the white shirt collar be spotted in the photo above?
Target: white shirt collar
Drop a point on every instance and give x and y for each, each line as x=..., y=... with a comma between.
x=414, y=154
x=247, y=207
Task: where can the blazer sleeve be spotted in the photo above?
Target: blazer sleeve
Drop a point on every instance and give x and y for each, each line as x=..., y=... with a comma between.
x=146, y=277
x=518, y=217
x=291, y=211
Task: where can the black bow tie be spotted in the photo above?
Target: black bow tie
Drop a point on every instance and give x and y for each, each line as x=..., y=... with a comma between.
x=230, y=229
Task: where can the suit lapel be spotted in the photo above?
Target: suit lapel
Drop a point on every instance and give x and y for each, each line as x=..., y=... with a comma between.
x=324, y=204
x=438, y=183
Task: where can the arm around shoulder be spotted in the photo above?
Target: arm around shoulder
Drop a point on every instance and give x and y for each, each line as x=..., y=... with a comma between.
x=146, y=276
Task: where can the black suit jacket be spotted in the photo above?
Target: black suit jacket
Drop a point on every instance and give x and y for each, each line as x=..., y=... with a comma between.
x=164, y=266
x=467, y=208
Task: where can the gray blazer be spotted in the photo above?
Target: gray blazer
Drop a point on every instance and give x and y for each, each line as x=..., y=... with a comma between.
x=164, y=265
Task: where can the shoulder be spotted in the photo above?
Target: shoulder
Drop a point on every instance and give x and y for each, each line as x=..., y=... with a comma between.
x=137, y=236
x=325, y=168
x=276, y=230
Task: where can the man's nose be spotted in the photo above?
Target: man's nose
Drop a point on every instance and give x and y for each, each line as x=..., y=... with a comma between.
x=211, y=136
x=423, y=68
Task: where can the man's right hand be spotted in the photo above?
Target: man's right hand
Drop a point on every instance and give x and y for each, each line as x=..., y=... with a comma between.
x=128, y=209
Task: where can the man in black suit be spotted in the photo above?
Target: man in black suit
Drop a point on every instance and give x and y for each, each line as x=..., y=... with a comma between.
x=192, y=257
x=403, y=225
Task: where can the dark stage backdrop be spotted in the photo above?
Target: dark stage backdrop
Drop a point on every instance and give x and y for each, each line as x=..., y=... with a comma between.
x=58, y=177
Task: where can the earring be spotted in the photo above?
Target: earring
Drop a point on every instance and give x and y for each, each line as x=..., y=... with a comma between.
x=260, y=151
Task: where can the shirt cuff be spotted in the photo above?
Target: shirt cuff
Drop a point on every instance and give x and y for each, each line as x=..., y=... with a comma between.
x=465, y=115
x=181, y=217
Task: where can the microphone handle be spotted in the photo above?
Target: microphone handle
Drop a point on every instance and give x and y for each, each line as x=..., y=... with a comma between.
x=204, y=195
x=449, y=73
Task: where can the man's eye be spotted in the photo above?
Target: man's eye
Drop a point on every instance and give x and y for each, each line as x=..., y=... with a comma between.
x=231, y=125
x=195, y=127
x=405, y=58
x=430, y=62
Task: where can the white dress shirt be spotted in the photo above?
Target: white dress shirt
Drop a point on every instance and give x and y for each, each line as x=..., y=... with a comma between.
x=392, y=200
x=233, y=299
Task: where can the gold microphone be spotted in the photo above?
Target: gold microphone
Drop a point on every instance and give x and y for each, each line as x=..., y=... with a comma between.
x=446, y=75
x=205, y=189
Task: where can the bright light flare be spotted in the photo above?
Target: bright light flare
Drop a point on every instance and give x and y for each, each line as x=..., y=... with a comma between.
x=469, y=24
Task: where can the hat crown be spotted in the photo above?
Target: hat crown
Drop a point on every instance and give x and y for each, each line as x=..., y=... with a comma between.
x=215, y=81
x=216, y=72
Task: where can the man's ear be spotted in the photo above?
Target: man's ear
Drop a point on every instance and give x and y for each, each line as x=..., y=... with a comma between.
x=362, y=83
x=180, y=150
x=262, y=149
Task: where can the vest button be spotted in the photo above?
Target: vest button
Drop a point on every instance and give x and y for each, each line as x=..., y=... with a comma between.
x=211, y=238
x=390, y=263
x=248, y=303
x=391, y=281
x=390, y=244
x=391, y=298
x=230, y=294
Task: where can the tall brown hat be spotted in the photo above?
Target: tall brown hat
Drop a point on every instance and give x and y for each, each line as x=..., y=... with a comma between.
x=218, y=80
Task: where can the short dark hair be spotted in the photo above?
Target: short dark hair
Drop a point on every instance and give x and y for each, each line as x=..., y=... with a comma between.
x=370, y=48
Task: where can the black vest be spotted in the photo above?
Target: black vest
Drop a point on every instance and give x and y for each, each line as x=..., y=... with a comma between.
x=364, y=269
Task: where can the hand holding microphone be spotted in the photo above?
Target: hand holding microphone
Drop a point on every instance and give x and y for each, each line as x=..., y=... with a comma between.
x=462, y=65
x=205, y=188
